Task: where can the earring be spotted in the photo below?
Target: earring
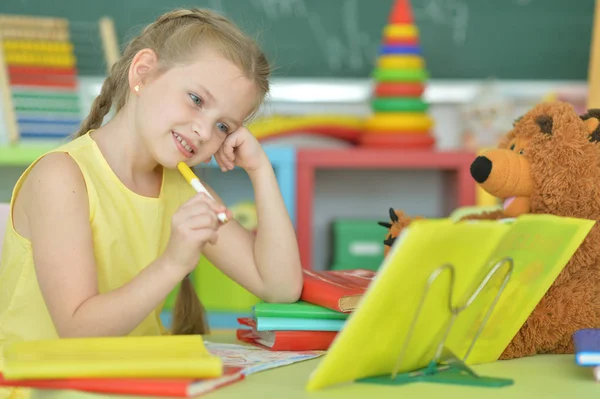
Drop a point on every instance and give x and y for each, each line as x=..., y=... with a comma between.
x=137, y=88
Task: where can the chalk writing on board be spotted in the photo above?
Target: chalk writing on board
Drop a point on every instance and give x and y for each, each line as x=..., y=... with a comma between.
x=452, y=13
x=345, y=43
x=352, y=47
x=275, y=9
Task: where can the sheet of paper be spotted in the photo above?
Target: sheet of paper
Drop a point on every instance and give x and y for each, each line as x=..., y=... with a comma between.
x=253, y=359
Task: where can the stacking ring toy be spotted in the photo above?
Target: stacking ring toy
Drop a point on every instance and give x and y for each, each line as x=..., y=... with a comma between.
x=407, y=41
x=399, y=105
x=400, y=31
x=399, y=89
x=400, y=75
x=400, y=62
x=424, y=141
x=392, y=122
x=400, y=49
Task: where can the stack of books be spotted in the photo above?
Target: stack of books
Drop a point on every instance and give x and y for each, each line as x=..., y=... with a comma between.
x=328, y=299
x=160, y=366
x=171, y=366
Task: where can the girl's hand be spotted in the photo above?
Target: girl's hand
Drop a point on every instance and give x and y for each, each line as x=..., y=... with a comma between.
x=241, y=149
x=193, y=225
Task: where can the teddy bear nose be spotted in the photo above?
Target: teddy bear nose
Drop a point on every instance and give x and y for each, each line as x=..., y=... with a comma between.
x=481, y=169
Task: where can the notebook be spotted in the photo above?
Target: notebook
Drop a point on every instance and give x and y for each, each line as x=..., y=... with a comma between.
x=298, y=309
x=284, y=340
x=298, y=324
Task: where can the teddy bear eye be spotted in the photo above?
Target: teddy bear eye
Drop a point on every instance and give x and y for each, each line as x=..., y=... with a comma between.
x=522, y=152
x=512, y=147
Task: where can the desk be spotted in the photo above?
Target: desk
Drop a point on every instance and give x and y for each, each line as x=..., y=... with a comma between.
x=544, y=376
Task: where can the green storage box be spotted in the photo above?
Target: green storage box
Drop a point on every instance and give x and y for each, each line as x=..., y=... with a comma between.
x=357, y=243
x=218, y=292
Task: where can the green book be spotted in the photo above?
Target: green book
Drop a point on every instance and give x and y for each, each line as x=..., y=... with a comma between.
x=298, y=309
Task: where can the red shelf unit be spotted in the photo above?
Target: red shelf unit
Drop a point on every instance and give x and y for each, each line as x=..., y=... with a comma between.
x=458, y=183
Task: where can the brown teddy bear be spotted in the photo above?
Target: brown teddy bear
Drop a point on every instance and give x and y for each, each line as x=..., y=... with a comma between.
x=548, y=163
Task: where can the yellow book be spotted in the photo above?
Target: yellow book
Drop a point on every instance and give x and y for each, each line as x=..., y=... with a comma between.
x=517, y=259
x=176, y=356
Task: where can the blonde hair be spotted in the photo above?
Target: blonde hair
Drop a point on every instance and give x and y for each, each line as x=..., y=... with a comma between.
x=175, y=38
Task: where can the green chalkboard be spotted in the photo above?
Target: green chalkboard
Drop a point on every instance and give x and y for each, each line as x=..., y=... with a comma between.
x=506, y=39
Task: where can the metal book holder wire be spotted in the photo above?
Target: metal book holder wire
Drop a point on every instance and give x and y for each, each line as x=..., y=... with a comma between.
x=445, y=367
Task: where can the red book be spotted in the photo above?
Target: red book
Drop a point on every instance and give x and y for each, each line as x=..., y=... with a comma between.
x=339, y=290
x=285, y=340
x=171, y=387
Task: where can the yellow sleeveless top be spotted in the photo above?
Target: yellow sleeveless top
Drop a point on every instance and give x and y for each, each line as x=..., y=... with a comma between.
x=129, y=231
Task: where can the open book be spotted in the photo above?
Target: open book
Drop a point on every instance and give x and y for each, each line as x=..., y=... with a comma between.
x=517, y=259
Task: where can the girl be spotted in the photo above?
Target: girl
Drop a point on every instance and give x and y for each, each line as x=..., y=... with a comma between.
x=104, y=227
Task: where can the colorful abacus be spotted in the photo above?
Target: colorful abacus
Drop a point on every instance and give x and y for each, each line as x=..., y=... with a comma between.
x=400, y=117
x=40, y=60
x=40, y=68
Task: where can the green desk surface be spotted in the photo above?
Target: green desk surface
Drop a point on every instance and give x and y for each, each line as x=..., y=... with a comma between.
x=544, y=376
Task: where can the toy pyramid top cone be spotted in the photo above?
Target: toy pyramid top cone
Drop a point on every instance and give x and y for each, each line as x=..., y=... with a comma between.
x=401, y=13
x=400, y=116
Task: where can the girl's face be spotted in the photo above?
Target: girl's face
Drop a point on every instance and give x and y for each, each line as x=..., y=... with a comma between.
x=185, y=113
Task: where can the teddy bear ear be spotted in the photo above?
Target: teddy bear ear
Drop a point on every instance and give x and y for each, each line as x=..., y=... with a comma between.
x=545, y=124
x=517, y=120
x=592, y=121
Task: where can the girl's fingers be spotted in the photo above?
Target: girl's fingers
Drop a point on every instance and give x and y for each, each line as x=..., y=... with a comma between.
x=204, y=236
x=219, y=159
x=202, y=203
x=230, y=143
x=223, y=161
x=201, y=222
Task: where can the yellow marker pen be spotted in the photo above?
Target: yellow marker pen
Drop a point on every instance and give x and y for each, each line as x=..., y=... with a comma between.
x=195, y=182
